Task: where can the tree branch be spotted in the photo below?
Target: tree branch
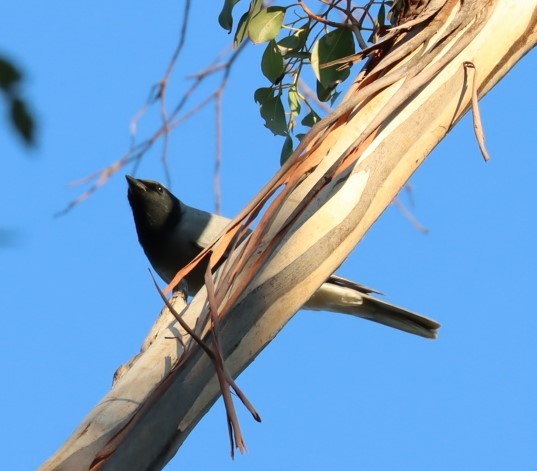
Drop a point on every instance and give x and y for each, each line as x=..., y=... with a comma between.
x=326, y=198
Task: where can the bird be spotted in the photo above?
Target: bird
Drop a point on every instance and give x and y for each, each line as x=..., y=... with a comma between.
x=172, y=234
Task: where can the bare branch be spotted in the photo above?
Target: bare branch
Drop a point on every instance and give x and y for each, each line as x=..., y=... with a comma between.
x=169, y=120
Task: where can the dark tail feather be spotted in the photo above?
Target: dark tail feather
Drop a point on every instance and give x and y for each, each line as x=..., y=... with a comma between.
x=346, y=297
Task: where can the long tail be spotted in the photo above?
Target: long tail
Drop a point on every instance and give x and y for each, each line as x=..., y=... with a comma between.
x=344, y=296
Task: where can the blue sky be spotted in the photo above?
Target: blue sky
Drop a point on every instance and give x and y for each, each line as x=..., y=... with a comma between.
x=335, y=392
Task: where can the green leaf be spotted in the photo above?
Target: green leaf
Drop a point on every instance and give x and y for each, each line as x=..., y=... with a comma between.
x=289, y=43
x=310, y=119
x=242, y=28
x=337, y=44
x=271, y=109
x=272, y=63
x=263, y=94
x=294, y=42
x=9, y=74
x=266, y=25
x=373, y=37
x=382, y=14
x=225, y=18
x=22, y=120
x=287, y=149
x=324, y=93
x=294, y=102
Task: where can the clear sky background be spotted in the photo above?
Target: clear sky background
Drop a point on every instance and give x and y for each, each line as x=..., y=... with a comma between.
x=335, y=392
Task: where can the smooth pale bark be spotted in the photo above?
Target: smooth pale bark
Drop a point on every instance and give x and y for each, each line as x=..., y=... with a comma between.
x=140, y=426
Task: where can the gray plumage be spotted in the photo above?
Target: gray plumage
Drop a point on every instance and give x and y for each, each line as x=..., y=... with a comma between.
x=172, y=233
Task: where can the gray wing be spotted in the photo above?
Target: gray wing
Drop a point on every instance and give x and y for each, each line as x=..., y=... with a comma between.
x=196, y=230
x=201, y=227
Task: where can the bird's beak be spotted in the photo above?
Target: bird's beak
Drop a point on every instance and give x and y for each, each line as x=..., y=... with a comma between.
x=135, y=184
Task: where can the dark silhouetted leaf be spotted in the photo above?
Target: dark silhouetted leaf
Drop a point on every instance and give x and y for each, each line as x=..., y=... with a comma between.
x=262, y=94
x=271, y=109
x=287, y=149
x=382, y=14
x=225, y=18
x=22, y=120
x=272, y=63
x=9, y=74
x=324, y=93
x=310, y=119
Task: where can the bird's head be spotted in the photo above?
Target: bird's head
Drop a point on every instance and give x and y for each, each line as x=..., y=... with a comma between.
x=154, y=207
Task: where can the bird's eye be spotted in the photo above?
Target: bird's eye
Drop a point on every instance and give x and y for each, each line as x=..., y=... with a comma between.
x=159, y=189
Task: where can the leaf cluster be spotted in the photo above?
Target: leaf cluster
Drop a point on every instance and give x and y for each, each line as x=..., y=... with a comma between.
x=301, y=42
x=19, y=114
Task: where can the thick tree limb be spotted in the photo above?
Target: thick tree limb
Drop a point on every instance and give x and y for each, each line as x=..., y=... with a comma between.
x=349, y=169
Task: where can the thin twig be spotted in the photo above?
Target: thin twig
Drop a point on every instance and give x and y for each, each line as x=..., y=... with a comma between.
x=173, y=120
x=321, y=19
x=217, y=188
x=408, y=214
